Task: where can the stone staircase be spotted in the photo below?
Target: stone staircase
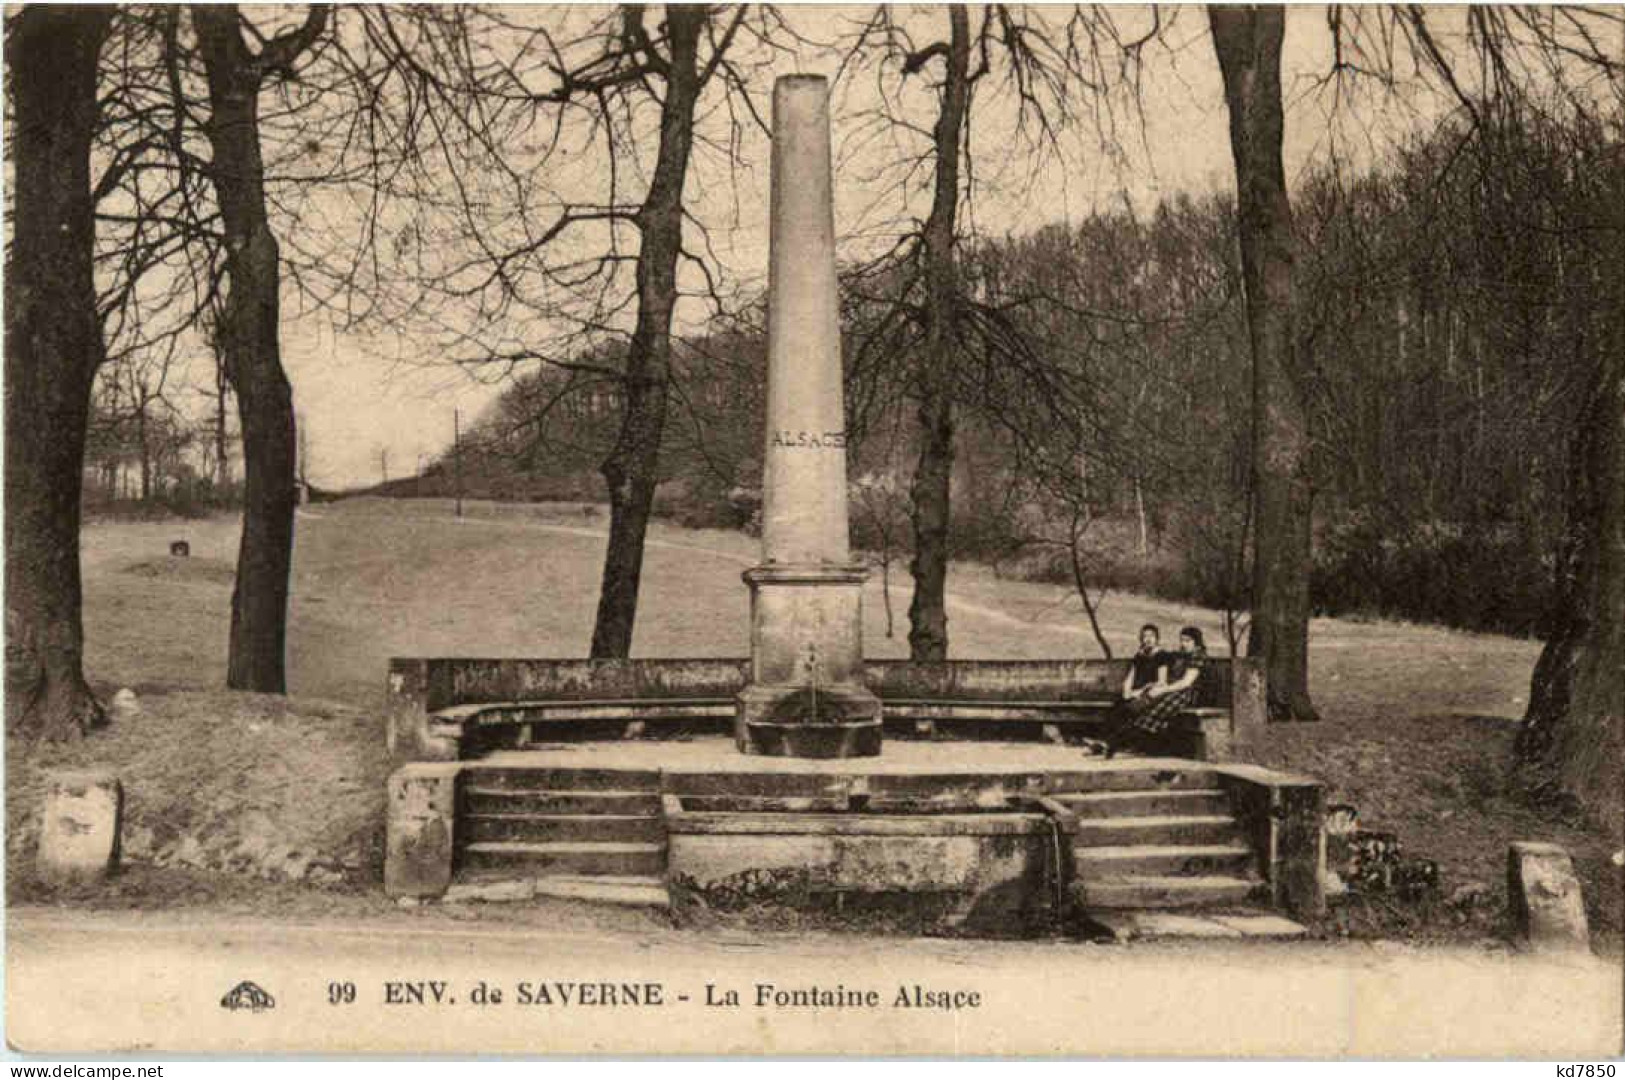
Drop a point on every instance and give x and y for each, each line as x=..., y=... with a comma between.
x=585, y=834
x=1151, y=837
x=1148, y=837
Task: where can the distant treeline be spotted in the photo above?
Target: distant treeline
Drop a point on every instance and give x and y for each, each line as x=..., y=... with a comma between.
x=1450, y=303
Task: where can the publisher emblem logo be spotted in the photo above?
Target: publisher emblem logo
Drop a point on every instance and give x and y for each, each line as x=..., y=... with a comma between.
x=246, y=995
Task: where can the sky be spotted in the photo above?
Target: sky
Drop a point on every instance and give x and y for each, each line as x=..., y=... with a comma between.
x=371, y=402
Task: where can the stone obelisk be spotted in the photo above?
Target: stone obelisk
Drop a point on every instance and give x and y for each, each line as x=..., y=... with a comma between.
x=806, y=697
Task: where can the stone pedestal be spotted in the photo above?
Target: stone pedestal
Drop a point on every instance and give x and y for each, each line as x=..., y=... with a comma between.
x=79, y=837
x=806, y=697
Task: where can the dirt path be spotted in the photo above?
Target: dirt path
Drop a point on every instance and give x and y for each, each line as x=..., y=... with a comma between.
x=83, y=982
x=902, y=584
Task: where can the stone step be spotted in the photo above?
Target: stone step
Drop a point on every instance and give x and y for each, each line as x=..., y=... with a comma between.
x=494, y=886
x=482, y=800
x=1162, y=859
x=1101, y=804
x=1134, y=775
x=1148, y=891
x=560, y=827
x=539, y=778
x=565, y=858
x=1162, y=829
x=630, y=890
x=1139, y=925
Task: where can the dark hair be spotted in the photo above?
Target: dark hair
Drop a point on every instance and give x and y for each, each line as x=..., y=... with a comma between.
x=1151, y=626
x=1194, y=634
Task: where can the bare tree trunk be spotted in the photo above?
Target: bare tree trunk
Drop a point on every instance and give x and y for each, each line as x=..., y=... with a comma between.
x=222, y=451
x=631, y=470
x=53, y=346
x=931, y=490
x=1139, y=512
x=1248, y=43
x=885, y=591
x=249, y=334
x=302, y=449
x=1570, y=742
x=1080, y=581
x=145, y=451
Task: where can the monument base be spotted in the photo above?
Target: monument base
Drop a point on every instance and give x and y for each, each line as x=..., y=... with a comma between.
x=808, y=722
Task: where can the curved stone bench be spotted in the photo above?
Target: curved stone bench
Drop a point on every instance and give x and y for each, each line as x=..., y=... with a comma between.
x=447, y=709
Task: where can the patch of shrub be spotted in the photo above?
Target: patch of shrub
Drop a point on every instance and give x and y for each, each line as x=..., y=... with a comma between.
x=706, y=502
x=1492, y=578
x=192, y=497
x=1489, y=577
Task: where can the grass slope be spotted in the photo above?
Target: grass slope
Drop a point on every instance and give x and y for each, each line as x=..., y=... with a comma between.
x=1419, y=720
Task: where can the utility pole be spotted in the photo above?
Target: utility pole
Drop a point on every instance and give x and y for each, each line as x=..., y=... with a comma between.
x=457, y=461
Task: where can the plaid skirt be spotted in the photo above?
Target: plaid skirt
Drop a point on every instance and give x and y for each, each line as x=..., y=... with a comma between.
x=1155, y=715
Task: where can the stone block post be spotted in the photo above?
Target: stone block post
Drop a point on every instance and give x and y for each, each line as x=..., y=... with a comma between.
x=1249, y=702
x=1544, y=900
x=422, y=817
x=79, y=837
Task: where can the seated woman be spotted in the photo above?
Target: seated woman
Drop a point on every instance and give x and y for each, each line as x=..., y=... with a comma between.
x=1147, y=718
x=1145, y=670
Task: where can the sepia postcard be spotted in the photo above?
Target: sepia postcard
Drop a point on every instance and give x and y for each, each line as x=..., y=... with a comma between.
x=935, y=531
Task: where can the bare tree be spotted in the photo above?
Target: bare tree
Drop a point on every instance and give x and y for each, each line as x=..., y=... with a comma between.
x=622, y=74
x=1570, y=744
x=631, y=469
x=1248, y=43
x=250, y=332
x=158, y=244
x=928, y=612
x=880, y=512
x=141, y=402
x=948, y=335
x=197, y=172
x=1095, y=336
x=53, y=348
